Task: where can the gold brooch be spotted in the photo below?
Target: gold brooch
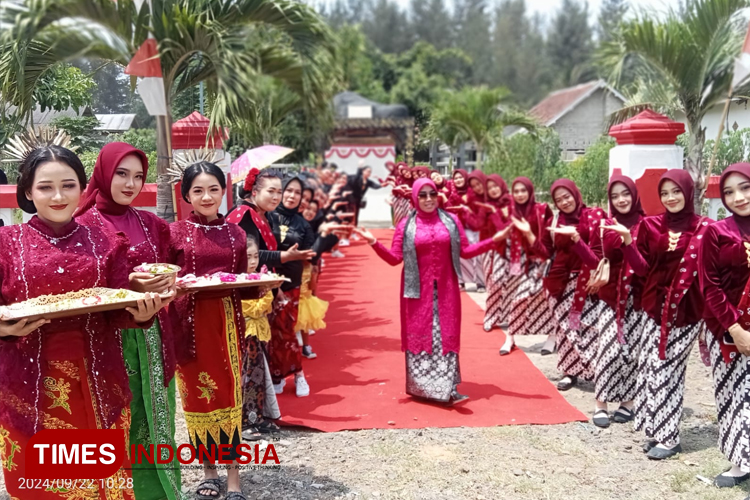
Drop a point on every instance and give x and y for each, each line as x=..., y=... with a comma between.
x=674, y=238
x=747, y=252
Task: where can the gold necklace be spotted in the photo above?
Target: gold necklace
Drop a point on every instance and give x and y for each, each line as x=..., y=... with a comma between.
x=674, y=238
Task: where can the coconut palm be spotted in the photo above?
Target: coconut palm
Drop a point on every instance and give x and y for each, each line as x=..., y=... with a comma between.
x=478, y=115
x=682, y=62
x=227, y=44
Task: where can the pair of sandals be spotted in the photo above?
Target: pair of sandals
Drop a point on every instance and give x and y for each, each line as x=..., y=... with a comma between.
x=213, y=486
x=256, y=432
x=622, y=416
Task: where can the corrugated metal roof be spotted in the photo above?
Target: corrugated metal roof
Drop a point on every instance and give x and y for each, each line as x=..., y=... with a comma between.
x=115, y=123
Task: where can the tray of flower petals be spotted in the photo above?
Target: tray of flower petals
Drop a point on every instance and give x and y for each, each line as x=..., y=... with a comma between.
x=223, y=281
x=89, y=300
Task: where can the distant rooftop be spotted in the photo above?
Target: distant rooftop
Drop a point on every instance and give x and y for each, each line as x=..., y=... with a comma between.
x=560, y=102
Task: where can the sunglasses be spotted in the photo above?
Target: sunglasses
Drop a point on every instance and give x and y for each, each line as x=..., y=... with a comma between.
x=430, y=194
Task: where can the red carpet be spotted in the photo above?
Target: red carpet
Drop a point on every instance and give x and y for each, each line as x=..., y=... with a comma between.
x=358, y=378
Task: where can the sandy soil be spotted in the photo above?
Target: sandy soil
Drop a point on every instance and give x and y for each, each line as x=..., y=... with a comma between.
x=571, y=461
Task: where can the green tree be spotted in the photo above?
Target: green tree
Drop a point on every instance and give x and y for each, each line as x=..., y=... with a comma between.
x=473, y=20
x=81, y=131
x=431, y=23
x=227, y=44
x=388, y=27
x=569, y=43
x=682, y=62
x=611, y=14
x=590, y=172
x=520, y=62
x=63, y=86
x=479, y=115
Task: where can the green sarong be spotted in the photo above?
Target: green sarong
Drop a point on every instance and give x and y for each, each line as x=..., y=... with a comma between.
x=152, y=413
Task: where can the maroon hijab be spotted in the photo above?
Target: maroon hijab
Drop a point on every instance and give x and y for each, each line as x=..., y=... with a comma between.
x=636, y=211
x=525, y=210
x=99, y=190
x=572, y=218
x=442, y=184
x=465, y=175
x=504, y=200
x=478, y=175
x=743, y=223
x=682, y=220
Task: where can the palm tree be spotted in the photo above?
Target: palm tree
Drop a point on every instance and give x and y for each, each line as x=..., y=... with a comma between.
x=683, y=63
x=228, y=44
x=478, y=115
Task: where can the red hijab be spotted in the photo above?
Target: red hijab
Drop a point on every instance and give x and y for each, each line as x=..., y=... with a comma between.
x=442, y=184
x=99, y=191
x=478, y=175
x=636, y=211
x=525, y=210
x=465, y=175
x=743, y=223
x=684, y=219
x=572, y=218
x=504, y=200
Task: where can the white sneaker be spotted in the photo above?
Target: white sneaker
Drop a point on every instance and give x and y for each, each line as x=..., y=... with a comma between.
x=302, y=388
x=337, y=254
x=279, y=388
x=344, y=243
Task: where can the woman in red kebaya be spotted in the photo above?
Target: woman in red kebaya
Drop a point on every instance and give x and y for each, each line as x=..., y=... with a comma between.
x=527, y=310
x=574, y=310
x=473, y=273
x=118, y=178
x=65, y=373
x=620, y=322
x=666, y=255
x=724, y=268
x=209, y=325
x=494, y=216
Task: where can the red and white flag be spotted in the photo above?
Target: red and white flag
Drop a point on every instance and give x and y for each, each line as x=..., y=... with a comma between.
x=147, y=66
x=742, y=63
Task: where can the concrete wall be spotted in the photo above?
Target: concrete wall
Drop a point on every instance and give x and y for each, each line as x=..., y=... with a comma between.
x=739, y=113
x=582, y=126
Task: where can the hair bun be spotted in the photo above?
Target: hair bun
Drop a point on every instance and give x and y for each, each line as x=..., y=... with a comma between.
x=250, y=179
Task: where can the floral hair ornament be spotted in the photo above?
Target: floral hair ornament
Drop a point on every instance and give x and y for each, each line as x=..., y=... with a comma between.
x=250, y=179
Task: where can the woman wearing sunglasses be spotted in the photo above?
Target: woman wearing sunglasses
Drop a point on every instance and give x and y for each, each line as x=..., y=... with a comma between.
x=430, y=243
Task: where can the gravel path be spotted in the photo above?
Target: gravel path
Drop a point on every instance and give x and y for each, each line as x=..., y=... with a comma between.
x=571, y=461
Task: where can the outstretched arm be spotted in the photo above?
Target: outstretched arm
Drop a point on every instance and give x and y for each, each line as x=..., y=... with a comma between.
x=393, y=256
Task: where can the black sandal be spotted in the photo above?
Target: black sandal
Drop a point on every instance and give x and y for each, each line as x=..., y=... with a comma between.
x=268, y=427
x=601, y=418
x=565, y=385
x=623, y=415
x=213, y=485
x=251, y=434
x=235, y=495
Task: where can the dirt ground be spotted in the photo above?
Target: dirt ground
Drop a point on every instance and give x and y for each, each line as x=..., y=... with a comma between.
x=571, y=461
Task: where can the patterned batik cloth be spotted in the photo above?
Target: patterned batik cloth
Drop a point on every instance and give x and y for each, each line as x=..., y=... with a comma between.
x=433, y=376
x=284, y=351
x=152, y=413
x=253, y=383
x=660, y=388
x=496, y=274
x=65, y=403
x=616, y=363
x=732, y=392
x=471, y=269
x=576, y=349
x=401, y=209
x=525, y=300
x=210, y=385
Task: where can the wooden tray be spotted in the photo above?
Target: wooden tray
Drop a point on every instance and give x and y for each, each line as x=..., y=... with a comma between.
x=272, y=283
x=18, y=315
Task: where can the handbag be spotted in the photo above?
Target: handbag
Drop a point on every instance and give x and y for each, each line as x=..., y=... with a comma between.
x=600, y=275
